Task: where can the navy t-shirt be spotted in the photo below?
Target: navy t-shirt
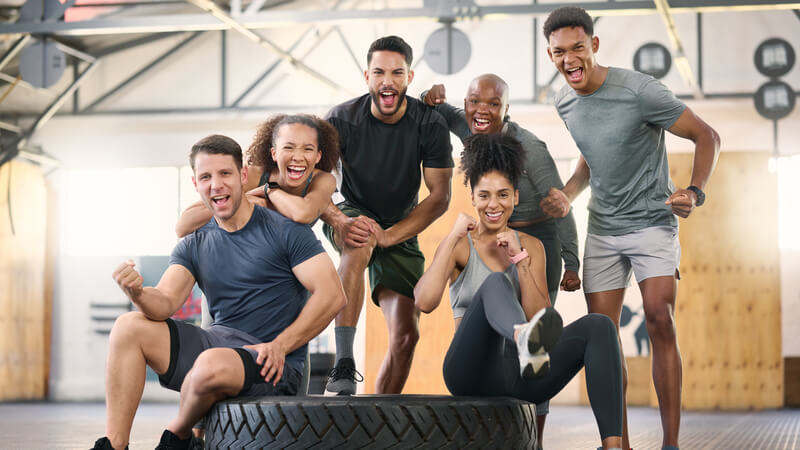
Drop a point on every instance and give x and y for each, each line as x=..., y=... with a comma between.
x=247, y=275
x=381, y=172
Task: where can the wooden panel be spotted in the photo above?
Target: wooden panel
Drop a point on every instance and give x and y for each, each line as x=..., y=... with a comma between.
x=728, y=311
x=23, y=344
x=792, y=381
x=436, y=329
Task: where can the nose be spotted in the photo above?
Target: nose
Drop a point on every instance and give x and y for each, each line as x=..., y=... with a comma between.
x=493, y=201
x=216, y=182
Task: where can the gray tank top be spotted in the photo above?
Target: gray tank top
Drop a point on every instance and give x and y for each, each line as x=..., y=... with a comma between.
x=463, y=290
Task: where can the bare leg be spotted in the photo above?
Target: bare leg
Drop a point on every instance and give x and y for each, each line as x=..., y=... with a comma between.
x=402, y=321
x=610, y=304
x=658, y=294
x=135, y=342
x=218, y=373
x=613, y=442
x=352, y=264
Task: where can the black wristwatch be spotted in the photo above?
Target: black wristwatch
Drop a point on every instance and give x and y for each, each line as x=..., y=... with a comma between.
x=701, y=196
x=270, y=186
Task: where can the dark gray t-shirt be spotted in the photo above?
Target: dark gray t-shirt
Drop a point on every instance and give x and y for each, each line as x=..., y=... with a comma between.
x=539, y=175
x=247, y=275
x=619, y=130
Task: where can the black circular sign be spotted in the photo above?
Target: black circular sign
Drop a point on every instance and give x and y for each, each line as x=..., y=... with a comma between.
x=774, y=57
x=774, y=100
x=653, y=59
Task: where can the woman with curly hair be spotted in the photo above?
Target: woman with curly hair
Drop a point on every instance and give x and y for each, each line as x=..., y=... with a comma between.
x=509, y=341
x=289, y=168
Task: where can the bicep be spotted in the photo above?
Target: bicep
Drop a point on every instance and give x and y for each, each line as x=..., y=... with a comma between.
x=317, y=273
x=320, y=192
x=437, y=179
x=689, y=125
x=176, y=283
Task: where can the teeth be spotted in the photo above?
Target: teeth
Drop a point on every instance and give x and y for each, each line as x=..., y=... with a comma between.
x=218, y=197
x=482, y=120
x=494, y=215
x=572, y=70
x=386, y=94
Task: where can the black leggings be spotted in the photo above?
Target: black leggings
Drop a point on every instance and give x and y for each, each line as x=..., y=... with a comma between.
x=482, y=359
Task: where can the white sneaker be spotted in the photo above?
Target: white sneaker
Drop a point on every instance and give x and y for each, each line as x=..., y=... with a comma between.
x=535, y=340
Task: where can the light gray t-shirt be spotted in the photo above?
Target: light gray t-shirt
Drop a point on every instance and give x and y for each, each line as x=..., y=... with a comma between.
x=619, y=130
x=539, y=175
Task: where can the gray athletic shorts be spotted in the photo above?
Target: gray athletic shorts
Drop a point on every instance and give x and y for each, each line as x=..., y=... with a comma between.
x=650, y=252
x=187, y=341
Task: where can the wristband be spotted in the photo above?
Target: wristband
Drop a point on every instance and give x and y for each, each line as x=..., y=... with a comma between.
x=519, y=256
x=270, y=185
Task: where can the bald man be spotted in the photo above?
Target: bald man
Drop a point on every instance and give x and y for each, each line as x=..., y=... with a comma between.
x=486, y=111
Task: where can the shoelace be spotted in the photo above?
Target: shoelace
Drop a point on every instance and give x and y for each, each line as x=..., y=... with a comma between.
x=348, y=373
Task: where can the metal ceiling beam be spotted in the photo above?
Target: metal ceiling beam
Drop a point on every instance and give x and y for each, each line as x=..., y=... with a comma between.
x=268, y=19
x=143, y=70
x=681, y=61
x=234, y=24
x=15, y=48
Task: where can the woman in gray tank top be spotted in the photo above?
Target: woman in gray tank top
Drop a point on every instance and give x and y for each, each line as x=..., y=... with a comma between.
x=508, y=339
x=289, y=168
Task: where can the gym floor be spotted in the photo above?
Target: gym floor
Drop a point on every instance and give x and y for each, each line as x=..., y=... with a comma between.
x=77, y=425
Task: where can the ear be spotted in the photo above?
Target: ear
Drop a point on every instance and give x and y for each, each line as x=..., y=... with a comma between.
x=505, y=113
x=550, y=53
x=272, y=152
x=318, y=158
x=516, y=197
x=410, y=76
x=595, y=44
x=472, y=196
x=194, y=182
x=366, y=76
x=244, y=175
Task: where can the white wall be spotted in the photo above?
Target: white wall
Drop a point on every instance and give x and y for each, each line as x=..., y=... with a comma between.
x=191, y=79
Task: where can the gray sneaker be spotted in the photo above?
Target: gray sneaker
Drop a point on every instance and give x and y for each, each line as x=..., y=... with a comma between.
x=535, y=340
x=342, y=378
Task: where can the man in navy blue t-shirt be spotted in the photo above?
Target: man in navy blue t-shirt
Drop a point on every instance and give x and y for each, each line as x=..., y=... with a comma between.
x=256, y=268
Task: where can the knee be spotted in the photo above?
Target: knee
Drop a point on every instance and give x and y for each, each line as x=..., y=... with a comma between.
x=127, y=328
x=356, y=258
x=206, y=376
x=404, y=341
x=495, y=285
x=660, y=323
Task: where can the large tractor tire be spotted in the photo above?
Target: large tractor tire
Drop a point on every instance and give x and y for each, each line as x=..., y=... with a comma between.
x=371, y=421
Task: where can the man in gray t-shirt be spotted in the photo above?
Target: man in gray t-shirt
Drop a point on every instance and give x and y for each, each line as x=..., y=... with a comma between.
x=617, y=118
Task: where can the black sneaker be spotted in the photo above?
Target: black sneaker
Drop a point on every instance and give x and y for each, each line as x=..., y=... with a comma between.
x=104, y=444
x=342, y=378
x=171, y=442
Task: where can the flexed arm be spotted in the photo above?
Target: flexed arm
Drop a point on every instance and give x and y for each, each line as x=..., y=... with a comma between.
x=558, y=201
x=162, y=301
x=430, y=287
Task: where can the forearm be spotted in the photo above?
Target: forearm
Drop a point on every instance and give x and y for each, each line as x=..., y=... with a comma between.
x=578, y=181
x=192, y=218
x=332, y=215
x=706, y=153
x=319, y=311
x=428, y=210
x=534, y=297
x=155, y=304
x=568, y=235
x=430, y=287
x=296, y=208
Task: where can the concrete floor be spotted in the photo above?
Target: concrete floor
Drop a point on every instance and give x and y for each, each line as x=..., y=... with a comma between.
x=77, y=425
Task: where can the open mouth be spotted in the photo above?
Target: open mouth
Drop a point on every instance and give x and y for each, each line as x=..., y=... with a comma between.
x=388, y=98
x=575, y=75
x=220, y=200
x=494, y=216
x=295, y=172
x=480, y=125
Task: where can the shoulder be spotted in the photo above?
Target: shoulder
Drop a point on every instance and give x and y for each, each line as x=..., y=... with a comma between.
x=461, y=253
x=524, y=136
x=351, y=111
x=564, y=95
x=627, y=79
x=533, y=245
x=424, y=115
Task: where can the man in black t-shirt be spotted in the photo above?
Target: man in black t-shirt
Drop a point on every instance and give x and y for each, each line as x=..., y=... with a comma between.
x=384, y=137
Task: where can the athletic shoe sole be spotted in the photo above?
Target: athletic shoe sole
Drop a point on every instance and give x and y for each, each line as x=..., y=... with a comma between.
x=542, y=338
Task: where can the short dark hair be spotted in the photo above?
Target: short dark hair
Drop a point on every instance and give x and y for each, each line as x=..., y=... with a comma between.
x=484, y=153
x=258, y=154
x=391, y=44
x=217, y=144
x=568, y=16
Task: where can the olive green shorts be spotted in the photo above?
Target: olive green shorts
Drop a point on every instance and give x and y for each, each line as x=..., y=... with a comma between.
x=398, y=267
